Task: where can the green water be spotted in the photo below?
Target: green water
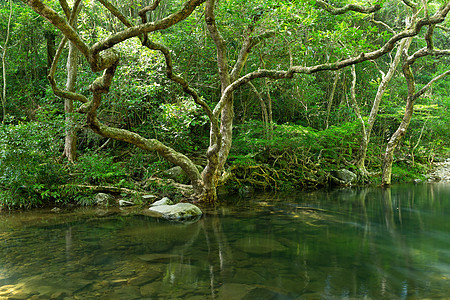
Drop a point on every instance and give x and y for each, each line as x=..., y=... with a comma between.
x=347, y=244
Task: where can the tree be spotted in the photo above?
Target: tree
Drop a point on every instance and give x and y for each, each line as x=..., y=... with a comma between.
x=4, y=48
x=70, y=143
x=258, y=26
x=385, y=79
x=413, y=95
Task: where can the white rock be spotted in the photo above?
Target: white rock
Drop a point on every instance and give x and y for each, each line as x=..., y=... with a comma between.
x=125, y=203
x=163, y=201
x=180, y=211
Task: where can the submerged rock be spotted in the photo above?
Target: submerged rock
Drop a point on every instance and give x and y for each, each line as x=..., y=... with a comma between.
x=255, y=245
x=180, y=211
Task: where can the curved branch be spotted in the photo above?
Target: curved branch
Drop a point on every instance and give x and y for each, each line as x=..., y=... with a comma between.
x=51, y=78
x=410, y=4
x=349, y=7
x=143, y=12
x=446, y=29
x=372, y=19
x=134, y=31
x=184, y=84
x=387, y=47
x=59, y=22
x=150, y=145
x=428, y=85
x=112, y=9
x=247, y=46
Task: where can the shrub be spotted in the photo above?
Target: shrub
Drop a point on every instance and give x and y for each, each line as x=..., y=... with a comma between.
x=29, y=170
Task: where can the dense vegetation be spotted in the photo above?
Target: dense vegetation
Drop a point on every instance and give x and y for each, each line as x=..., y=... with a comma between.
x=315, y=72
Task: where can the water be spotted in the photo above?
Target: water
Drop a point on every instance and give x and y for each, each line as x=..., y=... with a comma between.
x=348, y=244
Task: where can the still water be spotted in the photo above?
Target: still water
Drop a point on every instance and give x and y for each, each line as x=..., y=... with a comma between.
x=366, y=243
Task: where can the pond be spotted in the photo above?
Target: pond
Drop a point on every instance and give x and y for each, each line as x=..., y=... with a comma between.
x=358, y=243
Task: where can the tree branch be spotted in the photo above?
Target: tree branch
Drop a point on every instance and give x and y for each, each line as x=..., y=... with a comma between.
x=429, y=84
x=184, y=84
x=410, y=4
x=59, y=22
x=446, y=29
x=387, y=47
x=112, y=9
x=134, y=31
x=222, y=61
x=349, y=7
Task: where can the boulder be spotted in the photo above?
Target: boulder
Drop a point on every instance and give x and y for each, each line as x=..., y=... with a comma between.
x=163, y=201
x=103, y=199
x=177, y=174
x=179, y=211
x=343, y=177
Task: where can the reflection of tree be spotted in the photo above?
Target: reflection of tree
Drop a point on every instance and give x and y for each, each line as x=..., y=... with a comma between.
x=388, y=210
x=224, y=254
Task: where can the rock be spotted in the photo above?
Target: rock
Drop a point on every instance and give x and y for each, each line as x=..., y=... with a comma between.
x=103, y=199
x=180, y=211
x=124, y=292
x=163, y=201
x=147, y=277
x=441, y=172
x=125, y=203
x=264, y=294
x=343, y=177
x=150, y=289
x=149, y=198
x=255, y=245
x=157, y=257
x=234, y=290
x=177, y=174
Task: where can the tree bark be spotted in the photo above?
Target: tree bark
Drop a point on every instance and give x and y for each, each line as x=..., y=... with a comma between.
x=4, y=48
x=331, y=98
x=357, y=111
x=70, y=141
x=264, y=115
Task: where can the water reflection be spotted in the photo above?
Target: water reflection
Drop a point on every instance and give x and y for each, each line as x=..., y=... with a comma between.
x=355, y=243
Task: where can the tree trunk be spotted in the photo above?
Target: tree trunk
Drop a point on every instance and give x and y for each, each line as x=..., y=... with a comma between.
x=361, y=156
x=394, y=141
x=70, y=141
x=5, y=46
x=264, y=115
x=412, y=96
x=50, y=38
x=361, y=168
x=330, y=99
x=269, y=109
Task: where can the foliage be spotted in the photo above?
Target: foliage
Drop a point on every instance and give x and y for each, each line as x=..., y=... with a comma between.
x=307, y=141
x=99, y=169
x=28, y=161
